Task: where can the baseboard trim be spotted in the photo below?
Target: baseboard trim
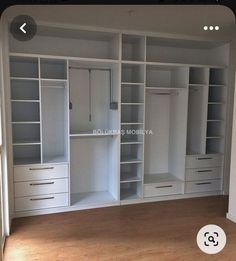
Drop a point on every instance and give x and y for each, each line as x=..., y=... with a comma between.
x=231, y=217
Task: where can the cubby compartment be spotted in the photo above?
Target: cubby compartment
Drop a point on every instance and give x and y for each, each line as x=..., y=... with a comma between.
x=93, y=94
x=130, y=190
x=132, y=93
x=198, y=76
x=215, y=129
x=197, y=119
x=70, y=42
x=24, y=90
x=25, y=112
x=53, y=69
x=166, y=76
x=132, y=73
x=131, y=172
x=216, y=112
x=133, y=48
x=132, y=114
x=54, y=100
x=24, y=67
x=166, y=118
x=214, y=146
x=132, y=133
x=25, y=133
x=26, y=154
x=217, y=94
x=94, y=170
x=217, y=76
x=131, y=152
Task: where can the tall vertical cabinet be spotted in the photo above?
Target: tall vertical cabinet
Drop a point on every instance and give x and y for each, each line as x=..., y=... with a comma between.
x=113, y=118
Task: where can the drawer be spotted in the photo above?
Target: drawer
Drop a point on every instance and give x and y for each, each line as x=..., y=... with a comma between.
x=204, y=161
x=40, y=172
x=203, y=186
x=163, y=189
x=41, y=202
x=203, y=173
x=33, y=188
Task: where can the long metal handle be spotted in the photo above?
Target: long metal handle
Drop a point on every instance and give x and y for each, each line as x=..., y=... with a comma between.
x=45, y=168
x=35, y=199
x=207, y=170
x=203, y=183
x=203, y=158
x=167, y=186
x=42, y=183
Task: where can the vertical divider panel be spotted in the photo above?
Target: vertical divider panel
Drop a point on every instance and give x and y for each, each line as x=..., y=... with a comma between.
x=40, y=110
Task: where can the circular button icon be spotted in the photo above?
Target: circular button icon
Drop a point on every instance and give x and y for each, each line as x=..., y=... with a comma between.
x=23, y=28
x=211, y=239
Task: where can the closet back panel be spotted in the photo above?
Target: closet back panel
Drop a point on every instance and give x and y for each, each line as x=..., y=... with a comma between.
x=24, y=90
x=24, y=67
x=104, y=48
x=26, y=132
x=89, y=164
x=25, y=111
x=197, y=118
x=157, y=120
x=54, y=122
x=85, y=101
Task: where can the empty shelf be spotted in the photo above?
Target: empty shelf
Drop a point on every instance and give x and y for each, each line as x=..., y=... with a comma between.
x=163, y=88
x=158, y=178
x=129, y=159
x=56, y=159
x=26, y=142
x=24, y=161
x=128, y=194
x=132, y=103
x=99, y=197
x=132, y=83
x=92, y=134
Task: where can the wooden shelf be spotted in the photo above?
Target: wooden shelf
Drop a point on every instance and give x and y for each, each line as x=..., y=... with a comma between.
x=163, y=88
x=129, y=177
x=132, y=123
x=159, y=178
x=26, y=142
x=128, y=160
x=131, y=142
x=215, y=137
x=25, y=122
x=132, y=103
x=24, y=78
x=91, y=134
x=25, y=100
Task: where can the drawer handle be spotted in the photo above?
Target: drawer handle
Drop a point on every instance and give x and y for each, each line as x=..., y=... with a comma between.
x=203, y=183
x=45, y=168
x=35, y=199
x=43, y=183
x=167, y=186
x=207, y=170
x=204, y=158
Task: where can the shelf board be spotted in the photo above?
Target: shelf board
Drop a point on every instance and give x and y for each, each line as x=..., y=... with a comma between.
x=99, y=197
x=163, y=88
x=132, y=83
x=132, y=62
x=198, y=84
x=128, y=194
x=91, y=134
x=215, y=120
x=216, y=103
x=217, y=85
x=130, y=159
x=132, y=103
x=131, y=142
x=131, y=123
x=24, y=78
x=30, y=101
x=25, y=122
x=159, y=178
x=214, y=137
x=53, y=80
x=126, y=177
x=26, y=142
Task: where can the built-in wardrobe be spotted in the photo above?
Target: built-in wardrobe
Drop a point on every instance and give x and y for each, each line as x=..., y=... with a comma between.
x=103, y=118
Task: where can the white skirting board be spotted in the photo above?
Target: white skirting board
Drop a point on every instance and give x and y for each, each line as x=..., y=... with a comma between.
x=231, y=217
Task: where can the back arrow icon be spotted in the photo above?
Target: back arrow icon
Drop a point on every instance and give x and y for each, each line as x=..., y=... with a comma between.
x=22, y=28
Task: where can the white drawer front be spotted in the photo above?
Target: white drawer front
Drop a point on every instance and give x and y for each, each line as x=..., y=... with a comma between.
x=203, y=173
x=33, y=188
x=41, y=202
x=203, y=186
x=163, y=189
x=204, y=161
x=39, y=172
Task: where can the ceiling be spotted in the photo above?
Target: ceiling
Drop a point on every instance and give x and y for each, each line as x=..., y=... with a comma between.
x=185, y=20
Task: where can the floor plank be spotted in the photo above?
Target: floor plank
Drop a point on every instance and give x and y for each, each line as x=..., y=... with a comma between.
x=151, y=231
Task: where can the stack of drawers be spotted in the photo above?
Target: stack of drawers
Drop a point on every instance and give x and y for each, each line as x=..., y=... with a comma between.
x=41, y=186
x=203, y=173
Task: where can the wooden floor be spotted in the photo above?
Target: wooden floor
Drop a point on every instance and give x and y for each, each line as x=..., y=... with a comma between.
x=152, y=231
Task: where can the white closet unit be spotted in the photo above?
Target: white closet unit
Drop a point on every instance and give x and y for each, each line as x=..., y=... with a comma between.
x=110, y=117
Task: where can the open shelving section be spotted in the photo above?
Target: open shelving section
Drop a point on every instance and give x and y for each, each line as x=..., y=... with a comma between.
x=125, y=116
